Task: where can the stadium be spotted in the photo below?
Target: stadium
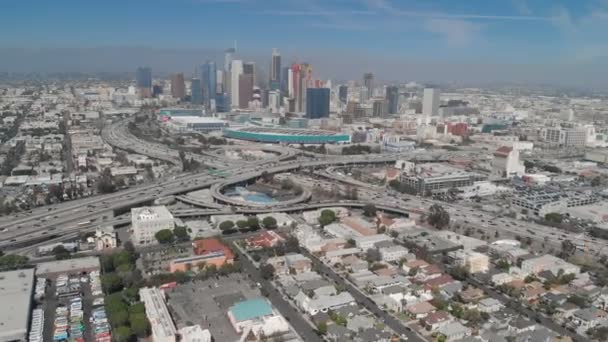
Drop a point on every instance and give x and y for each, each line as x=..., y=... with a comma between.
x=286, y=135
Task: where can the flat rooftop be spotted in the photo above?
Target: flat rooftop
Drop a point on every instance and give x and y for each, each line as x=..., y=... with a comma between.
x=287, y=131
x=68, y=266
x=15, y=295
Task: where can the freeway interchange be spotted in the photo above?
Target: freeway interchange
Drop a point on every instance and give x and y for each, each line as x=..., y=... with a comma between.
x=66, y=219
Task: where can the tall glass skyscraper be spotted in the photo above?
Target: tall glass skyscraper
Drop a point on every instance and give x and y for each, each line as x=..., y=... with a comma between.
x=196, y=96
x=275, y=70
x=143, y=77
x=392, y=97
x=317, y=103
x=343, y=93
x=208, y=82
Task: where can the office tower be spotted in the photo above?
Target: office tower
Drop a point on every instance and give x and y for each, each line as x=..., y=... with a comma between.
x=228, y=54
x=317, y=105
x=178, y=86
x=222, y=103
x=245, y=90
x=208, y=82
x=430, y=102
x=368, y=82
x=219, y=79
x=143, y=80
x=196, y=92
x=295, y=84
x=379, y=108
x=235, y=74
x=284, y=80
x=290, y=83
x=306, y=81
x=275, y=70
x=157, y=89
x=343, y=93
x=274, y=98
x=392, y=97
x=249, y=69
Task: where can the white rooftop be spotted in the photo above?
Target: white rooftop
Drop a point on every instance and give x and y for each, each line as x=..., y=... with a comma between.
x=15, y=295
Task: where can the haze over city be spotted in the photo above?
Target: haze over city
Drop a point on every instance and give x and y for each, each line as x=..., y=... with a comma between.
x=555, y=42
x=303, y=171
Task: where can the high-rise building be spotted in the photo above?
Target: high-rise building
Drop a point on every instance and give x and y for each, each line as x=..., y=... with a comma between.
x=196, y=92
x=143, y=81
x=306, y=81
x=157, y=89
x=392, y=98
x=274, y=103
x=222, y=103
x=228, y=54
x=430, y=102
x=379, y=108
x=317, y=103
x=368, y=82
x=219, y=79
x=245, y=90
x=285, y=80
x=235, y=73
x=295, y=85
x=178, y=86
x=208, y=82
x=343, y=93
x=275, y=70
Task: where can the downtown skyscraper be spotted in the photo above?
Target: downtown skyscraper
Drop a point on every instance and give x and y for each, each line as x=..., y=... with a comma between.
x=275, y=70
x=209, y=83
x=368, y=82
x=392, y=97
x=143, y=81
x=178, y=86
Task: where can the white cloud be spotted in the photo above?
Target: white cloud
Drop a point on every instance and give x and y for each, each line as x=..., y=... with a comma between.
x=455, y=32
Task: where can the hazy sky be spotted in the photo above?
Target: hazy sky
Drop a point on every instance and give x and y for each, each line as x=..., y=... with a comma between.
x=530, y=40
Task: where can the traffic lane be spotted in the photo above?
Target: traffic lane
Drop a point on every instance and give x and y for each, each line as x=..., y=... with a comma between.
x=293, y=316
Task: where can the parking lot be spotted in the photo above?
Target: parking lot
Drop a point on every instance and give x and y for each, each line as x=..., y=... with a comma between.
x=68, y=305
x=207, y=303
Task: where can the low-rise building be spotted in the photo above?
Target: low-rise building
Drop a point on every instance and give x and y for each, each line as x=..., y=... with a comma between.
x=205, y=252
x=16, y=292
x=550, y=263
x=367, y=242
x=473, y=262
x=323, y=303
x=393, y=253
x=258, y=317
x=147, y=221
x=163, y=329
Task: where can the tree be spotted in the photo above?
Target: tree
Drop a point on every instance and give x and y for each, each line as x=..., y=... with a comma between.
x=503, y=265
x=253, y=222
x=327, y=217
x=164, y=236
x=181, y=233
x=568, y=249
x=118, y=318
x=597, y=181
x=441, y=338
x=292, y=245
x=61, y=253
x=226, y=225
x=111, y=282
x=121, y=258
x=123, y=334
x=269, y=222
x=242, y=224
x=322, y=328
x=105, y=185
x=139, y=324
x=554, y=218
x=438, y=217
x=369, y=210
x=267, y=271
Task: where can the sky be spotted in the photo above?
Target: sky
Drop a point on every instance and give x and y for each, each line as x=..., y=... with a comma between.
x=472, y=40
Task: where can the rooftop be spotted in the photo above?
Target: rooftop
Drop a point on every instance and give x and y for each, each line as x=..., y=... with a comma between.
x=15, y=296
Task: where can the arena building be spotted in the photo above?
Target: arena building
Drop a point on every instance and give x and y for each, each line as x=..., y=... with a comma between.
x=286, y=135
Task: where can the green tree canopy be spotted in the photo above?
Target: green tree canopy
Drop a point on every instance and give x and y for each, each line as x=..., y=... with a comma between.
x=181, y=233
x=438, y=217
x=226, y=225
x=269, y=222
x=164, y=236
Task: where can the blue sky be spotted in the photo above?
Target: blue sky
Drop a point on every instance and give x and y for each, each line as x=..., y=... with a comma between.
x=463, y=31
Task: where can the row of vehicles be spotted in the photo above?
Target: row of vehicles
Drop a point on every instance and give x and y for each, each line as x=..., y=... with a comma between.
x=69, y=321
x=99, y=319
x=37, y=326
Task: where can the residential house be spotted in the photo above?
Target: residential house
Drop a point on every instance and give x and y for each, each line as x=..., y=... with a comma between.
x=420, y=310
x=454, y=331
x=489, y=305
x=437, y=319
x=393, y=254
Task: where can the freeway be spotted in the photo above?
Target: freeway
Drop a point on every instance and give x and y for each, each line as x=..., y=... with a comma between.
x=66, y=217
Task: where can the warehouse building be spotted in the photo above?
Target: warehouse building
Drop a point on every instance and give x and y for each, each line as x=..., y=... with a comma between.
x=16, y=290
